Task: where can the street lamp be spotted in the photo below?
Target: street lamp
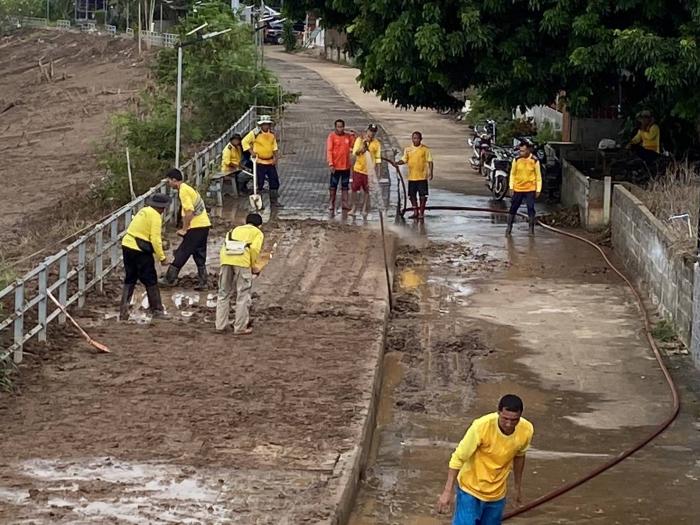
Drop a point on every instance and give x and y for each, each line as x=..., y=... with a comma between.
x=180, y=45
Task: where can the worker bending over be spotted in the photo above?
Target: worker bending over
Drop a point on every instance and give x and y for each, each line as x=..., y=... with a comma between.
x=232, y=163
x=142, y=241
x=239, y=257
x=480, y=465
x=194, y=232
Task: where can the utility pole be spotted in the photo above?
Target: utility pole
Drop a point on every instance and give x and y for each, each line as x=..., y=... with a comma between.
x=161, y=17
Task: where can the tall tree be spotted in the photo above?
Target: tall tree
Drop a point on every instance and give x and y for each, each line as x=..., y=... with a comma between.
x=525, y=52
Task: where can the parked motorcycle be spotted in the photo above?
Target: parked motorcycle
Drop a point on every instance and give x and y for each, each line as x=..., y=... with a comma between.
x=484, y=138
x=496, y=168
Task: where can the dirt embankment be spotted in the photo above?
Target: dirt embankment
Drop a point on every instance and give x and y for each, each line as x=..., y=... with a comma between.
x=52, y=117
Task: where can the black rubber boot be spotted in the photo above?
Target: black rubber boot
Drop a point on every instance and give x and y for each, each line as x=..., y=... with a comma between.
x=155, y=305
x=531, y=231
x=127, y=292
x=509, y=228
x=170, y=277
x=202, y=278
x=275, y=199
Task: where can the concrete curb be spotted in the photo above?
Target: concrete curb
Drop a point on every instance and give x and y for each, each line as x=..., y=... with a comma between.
x=352, y=464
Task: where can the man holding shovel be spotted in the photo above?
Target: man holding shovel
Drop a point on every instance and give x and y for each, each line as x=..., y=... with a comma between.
x=239, y=258
x=262, y=144
x=368, y=159
x=194, y=232
x=140, y=244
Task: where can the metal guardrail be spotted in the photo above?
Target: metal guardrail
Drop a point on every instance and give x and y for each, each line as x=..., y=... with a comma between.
x=170, y=39
x=84, y=264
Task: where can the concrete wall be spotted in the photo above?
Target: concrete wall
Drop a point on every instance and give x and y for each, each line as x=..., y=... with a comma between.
x=645, y=245
x=586, y=193
x=590, y=131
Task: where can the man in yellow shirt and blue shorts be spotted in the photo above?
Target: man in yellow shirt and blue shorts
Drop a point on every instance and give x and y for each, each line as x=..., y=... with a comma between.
x=493, y=445
x=420, y=170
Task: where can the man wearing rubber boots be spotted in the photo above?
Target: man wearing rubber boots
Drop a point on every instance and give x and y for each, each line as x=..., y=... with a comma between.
x=338, y=149
x=140, y=244
x=364, y=147
x=239, y=256
x=420, y=171
x=194, y=232
x=262, y=144
x=482, y=461
x=525, y=185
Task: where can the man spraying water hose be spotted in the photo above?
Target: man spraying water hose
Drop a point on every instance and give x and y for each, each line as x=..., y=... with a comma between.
x=482, y=461
x=368, y=159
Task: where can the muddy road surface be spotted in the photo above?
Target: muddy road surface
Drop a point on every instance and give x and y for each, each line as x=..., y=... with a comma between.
x=51, y=125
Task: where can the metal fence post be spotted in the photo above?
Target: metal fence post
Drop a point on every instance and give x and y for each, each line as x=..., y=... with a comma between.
x=82, y=271
x=19, y=320
x=63, y=286
x=99, y=249
x=113, y=237
x=43, y=298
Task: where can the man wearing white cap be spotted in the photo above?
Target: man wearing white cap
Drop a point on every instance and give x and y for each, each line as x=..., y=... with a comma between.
x=262, y=144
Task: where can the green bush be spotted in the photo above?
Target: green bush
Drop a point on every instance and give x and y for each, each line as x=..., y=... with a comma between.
x=218, y=80
x=546, y=133
x=289, y=38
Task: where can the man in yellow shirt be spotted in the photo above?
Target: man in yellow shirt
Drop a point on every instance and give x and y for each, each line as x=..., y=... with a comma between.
x=239, y=256
x=420, y=169
x=368, y=158
x=493, y=445
x=647, y=142
x=525, y=184
x=262, y=144
x=194, y=232
x=232, y=163
x=141, y=242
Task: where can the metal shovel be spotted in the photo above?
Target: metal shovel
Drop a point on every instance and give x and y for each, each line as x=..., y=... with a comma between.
x=256, y=202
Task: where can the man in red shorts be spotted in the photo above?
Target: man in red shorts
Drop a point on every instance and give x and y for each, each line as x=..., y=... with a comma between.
x=338, y=147
x=368, y=158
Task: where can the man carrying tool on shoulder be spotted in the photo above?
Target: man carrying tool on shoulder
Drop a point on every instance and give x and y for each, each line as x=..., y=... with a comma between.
x=420, y=170
x=525, y=185
x=368, y=143
x=262, y=144
x=141, y=242
x=194, y=232
x=239, y=258
x=338, y=148
x=480, y=465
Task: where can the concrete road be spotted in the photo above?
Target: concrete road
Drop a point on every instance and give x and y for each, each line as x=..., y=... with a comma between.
x=479, y=317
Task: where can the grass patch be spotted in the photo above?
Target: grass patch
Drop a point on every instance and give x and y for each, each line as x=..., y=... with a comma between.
x=664, y=331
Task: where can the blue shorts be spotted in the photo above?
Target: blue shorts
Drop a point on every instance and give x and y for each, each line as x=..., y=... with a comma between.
x=342, y=177
x=472, y=511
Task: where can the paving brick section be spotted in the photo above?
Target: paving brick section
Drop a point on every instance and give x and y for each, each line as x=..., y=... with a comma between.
x=303, y=170
x=179, y=424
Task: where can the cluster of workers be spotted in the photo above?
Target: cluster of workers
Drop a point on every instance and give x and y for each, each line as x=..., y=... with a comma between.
x=492, y=446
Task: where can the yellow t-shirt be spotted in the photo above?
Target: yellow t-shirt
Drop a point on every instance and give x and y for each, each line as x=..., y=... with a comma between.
x=650, y=139
x=417, y=159
x=485, y=455
x=263, y=144
x=145, y=225
x=230, y=159
x=192, y=201
x=525, y=175
x=375, y=150
x=248, y=234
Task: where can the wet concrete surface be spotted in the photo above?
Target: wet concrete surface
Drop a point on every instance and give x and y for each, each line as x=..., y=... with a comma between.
x=553, y=325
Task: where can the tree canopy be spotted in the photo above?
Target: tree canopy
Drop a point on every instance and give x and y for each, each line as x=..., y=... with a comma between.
x=525, y=52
